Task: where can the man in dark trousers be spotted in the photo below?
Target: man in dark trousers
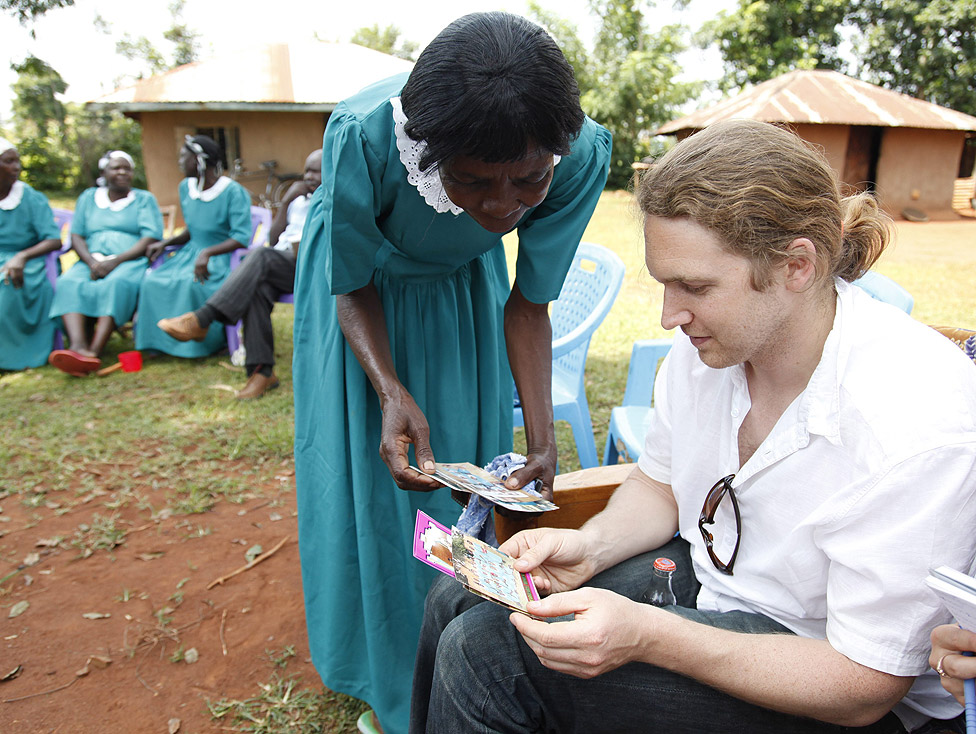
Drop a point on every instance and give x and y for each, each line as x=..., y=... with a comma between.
x=252, y=289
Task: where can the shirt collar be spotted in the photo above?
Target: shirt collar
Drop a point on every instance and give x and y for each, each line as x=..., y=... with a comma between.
x=820, y=402
x=12, y=200
x=102, y=200
x=193, y=188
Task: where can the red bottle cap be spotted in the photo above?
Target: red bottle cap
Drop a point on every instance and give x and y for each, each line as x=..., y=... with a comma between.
x=664, y=564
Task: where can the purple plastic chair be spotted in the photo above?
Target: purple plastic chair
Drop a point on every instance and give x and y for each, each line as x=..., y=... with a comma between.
x=52, y=266
x=235, y=332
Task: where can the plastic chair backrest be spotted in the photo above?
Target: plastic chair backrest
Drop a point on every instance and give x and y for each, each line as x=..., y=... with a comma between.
x=260, y=226
x=590, y=288
x=645, y=358
x=882, y=288
x=63, y=218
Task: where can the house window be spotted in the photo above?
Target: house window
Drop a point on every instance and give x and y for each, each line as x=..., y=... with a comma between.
x=229, y=140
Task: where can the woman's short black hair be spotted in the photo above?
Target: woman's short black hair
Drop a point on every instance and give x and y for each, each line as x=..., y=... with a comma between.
x=489, y=86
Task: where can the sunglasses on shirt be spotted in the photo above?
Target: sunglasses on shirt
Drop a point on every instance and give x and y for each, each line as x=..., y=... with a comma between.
x=707, y=517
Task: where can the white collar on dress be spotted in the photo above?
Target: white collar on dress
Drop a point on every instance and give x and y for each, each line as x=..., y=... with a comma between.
x=103, y=202
x=13, y=198
x=428, y=182
x=207, y=194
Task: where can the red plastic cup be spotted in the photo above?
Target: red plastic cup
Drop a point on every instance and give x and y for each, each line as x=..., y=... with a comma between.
x=131, y=361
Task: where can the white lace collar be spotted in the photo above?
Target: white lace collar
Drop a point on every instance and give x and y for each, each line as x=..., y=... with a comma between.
x=207, y=194
x=12, y=201
x=428, y=182
x=102, y=200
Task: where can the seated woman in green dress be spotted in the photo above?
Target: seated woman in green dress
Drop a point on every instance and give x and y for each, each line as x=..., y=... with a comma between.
x=27, y=234
x=408, y=330
x=112, y=226
x=217, y=212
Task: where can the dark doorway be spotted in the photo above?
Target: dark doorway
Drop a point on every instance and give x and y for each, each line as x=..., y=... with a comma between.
x=861, y=161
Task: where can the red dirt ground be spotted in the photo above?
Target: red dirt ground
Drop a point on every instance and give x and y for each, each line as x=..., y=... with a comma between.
x=141, y=689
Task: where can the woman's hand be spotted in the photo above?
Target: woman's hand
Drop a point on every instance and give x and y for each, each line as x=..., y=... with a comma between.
x=101, y=268
x=155, y=249
x=539, y=464
x=949, y=641
x=405, y=424
x=200, y=271
x=14, y=270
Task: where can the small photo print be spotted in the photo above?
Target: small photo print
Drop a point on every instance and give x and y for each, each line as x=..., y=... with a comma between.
x=432, y=543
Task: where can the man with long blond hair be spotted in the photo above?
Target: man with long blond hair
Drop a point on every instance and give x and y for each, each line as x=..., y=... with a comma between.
x=810, y=447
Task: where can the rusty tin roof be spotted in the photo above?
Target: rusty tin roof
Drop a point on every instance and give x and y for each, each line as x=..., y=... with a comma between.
x=307, y=75
x=828, y=98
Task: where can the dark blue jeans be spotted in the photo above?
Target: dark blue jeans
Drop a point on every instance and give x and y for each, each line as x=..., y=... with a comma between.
x=475, y=674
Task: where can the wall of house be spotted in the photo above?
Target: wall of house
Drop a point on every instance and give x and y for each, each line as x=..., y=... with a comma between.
x=831, y=139
x=918, y=168
x=287, y=137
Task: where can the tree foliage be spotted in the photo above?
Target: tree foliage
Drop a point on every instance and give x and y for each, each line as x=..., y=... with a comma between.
x=386, y=40
x=27, y=11
x=185, y=41
x=60, y=144
x=765, y=38
x=628, y=83
x=924, y=48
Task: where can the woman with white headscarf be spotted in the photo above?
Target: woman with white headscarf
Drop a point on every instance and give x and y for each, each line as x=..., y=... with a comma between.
x=27, y=234
x=217, y=212
x=112, y=226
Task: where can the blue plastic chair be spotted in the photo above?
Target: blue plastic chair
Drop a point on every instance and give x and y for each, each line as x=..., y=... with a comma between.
x=882, y=288
x=628, y=422
x=585, y=299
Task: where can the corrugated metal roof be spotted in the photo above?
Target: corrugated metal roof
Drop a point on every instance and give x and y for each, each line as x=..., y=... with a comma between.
x=825, y=97
x=309, y=75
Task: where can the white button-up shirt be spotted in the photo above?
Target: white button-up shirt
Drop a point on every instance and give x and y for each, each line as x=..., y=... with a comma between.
x=865, y=482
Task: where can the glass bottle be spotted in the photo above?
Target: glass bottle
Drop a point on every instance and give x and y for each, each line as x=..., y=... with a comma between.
x=659, y=591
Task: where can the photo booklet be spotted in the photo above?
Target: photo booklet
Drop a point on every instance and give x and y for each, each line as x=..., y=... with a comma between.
x=478, y=567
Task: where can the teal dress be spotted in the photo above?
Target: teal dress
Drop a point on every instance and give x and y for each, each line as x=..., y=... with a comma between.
x=26, y=329
x=108, y=230
x=170, y=289
x=443, y=282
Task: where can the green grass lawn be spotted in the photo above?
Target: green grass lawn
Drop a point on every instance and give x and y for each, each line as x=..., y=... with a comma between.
x=54, y=423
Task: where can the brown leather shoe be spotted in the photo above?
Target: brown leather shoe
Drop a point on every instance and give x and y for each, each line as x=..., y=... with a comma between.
x=256, y=386
x=184, y=328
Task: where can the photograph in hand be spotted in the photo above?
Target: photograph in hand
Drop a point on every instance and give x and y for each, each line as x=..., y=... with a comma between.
x=466, y=477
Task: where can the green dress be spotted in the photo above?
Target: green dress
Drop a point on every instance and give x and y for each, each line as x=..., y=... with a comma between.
x=443, y=282
x=26, y=329
x=109, y=229
x=170, y=289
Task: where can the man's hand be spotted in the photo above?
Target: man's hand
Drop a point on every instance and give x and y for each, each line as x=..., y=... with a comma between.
x=948, y=643
x=404, y=424
x=607, y=632
x=558, y=559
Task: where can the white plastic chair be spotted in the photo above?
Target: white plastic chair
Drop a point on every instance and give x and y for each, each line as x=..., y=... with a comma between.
x=584, y=301
x=628, y=422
